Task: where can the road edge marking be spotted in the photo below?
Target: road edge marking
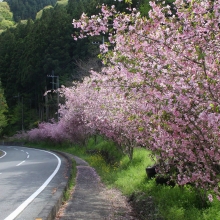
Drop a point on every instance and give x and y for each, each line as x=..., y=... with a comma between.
x=20, y=163
x=3, y=154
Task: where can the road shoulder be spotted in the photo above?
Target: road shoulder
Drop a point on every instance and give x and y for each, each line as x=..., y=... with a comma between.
x=92, y=200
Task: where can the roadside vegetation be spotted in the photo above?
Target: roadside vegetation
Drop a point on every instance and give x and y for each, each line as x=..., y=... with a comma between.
x=150, y=200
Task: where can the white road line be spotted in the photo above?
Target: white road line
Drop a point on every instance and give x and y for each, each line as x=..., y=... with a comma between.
x=14, y=214
x=0, y=173
x=15, y=148
x=28, y=156
x=20, y=163
x=22, y=150
x=3, y=154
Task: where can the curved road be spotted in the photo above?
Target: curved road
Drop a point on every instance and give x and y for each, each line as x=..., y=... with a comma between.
x=28, y=179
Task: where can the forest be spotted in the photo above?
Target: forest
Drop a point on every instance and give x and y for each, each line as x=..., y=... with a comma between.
x=39, y=54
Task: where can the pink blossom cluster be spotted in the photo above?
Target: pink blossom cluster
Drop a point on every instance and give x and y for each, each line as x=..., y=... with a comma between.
x=71, y=126
x=48, y=132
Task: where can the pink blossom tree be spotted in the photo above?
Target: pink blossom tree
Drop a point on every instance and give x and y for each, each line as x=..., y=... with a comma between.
x=52, y=132
x=167, y=68
x=102, y=109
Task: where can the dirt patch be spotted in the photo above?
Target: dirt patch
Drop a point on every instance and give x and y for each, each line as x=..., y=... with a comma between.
x=120, y=209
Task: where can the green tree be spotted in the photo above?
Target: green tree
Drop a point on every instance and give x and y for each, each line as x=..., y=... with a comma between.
x=6, y=16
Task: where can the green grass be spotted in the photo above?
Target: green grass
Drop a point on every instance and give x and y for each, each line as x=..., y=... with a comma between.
x=152, y=201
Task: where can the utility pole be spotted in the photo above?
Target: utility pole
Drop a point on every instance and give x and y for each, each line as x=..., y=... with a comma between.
x=46, y=105
x=58, y=97
x=22, y=113
x=21, y=104
x=57, y=87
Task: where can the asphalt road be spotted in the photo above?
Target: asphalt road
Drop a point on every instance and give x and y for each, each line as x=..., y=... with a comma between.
x=28, y=180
